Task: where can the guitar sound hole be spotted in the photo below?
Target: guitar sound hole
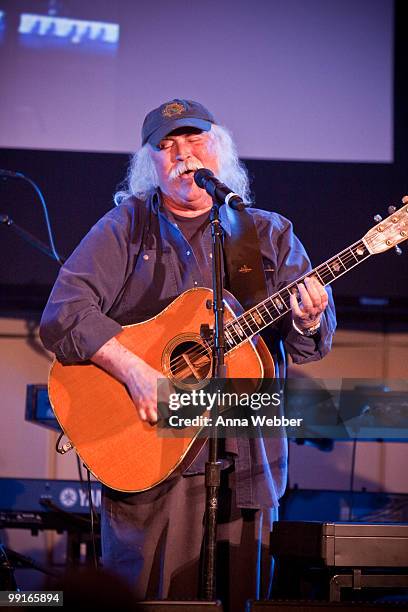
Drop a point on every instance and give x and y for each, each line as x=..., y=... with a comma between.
x=190, y=363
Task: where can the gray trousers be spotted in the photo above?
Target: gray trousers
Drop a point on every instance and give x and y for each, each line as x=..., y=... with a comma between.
x=153, y=540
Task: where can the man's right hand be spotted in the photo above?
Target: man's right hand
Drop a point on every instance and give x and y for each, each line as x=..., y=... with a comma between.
x=140, y=378
x=141, y=382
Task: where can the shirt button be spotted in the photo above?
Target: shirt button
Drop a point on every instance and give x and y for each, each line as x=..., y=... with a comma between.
x=145, y=257
x=210, y=255
x=195, y=283
x=188, y=252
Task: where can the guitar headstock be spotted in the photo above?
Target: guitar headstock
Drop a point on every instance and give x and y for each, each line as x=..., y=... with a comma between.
x=388, y=232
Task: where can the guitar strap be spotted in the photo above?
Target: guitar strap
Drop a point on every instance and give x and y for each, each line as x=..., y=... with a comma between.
x=243, y=260
x=244, y=271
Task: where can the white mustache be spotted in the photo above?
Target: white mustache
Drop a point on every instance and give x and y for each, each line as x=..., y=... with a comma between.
x=184, y=167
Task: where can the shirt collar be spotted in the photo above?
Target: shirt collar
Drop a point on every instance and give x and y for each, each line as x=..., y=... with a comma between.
x=156, y=202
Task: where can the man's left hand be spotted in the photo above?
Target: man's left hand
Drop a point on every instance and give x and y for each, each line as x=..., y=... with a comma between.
x=313, y=301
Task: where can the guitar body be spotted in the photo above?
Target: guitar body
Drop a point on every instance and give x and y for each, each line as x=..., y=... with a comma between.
x=98, y=416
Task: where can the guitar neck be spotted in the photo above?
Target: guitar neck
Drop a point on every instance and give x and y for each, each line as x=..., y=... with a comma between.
x=256, y=319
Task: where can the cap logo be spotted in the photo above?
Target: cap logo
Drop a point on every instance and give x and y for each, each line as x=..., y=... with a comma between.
x=172, y=109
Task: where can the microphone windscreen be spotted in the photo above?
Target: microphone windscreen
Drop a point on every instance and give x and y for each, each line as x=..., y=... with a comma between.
x=201, y=175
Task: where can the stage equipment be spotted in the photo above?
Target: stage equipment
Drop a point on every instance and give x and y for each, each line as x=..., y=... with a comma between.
x=338, y=555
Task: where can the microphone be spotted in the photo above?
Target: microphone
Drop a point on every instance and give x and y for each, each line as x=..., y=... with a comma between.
x=205, y=179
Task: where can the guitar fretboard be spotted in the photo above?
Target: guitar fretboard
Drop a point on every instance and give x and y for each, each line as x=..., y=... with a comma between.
x=256, y=319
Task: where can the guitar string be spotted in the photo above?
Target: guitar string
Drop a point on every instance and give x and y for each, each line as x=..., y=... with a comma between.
x=203, y=350
x=178, y=364
x=196, y=353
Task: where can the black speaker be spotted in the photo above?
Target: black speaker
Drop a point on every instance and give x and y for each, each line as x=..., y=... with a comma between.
x=178, y=606
x=322, y=606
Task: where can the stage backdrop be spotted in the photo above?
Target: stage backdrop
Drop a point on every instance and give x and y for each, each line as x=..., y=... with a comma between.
x=314, y=93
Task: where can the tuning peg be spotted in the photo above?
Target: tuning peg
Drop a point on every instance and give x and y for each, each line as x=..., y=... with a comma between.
x=391, y=210
x=377, y=218
x=398, y=251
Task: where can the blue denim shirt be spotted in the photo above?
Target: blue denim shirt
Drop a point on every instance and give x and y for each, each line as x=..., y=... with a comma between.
x=131, y=265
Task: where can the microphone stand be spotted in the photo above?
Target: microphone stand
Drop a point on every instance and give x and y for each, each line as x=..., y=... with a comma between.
x=221, y=195
x=5, y=219
x=29, y=238
x=213, y=466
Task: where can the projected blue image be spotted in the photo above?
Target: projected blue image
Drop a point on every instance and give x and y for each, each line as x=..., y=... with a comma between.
x=2, y=25
x=44, y=30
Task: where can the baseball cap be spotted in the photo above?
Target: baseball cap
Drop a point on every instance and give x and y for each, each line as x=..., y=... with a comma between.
x=172, y=115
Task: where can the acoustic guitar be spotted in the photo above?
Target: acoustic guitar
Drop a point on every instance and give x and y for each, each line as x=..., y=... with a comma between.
x=97, y=414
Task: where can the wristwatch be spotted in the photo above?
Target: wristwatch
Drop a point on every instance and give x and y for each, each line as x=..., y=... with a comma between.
x=310, y=331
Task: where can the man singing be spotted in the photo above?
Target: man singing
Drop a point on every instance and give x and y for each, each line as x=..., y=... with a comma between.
x=154, y=245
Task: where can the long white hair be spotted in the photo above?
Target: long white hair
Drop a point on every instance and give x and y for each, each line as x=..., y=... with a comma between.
x=142, y=176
